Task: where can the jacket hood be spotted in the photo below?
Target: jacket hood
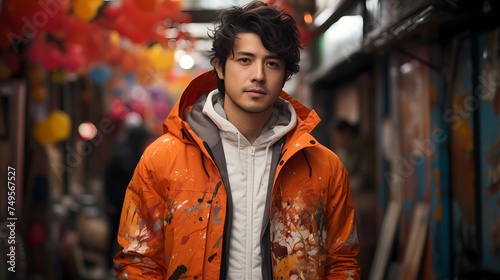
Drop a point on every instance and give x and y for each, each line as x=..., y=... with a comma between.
x=175, y=123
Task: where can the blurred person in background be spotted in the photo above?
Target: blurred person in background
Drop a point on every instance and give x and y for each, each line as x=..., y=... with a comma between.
x=355, y=154
x=119, y=171
x=236, y=187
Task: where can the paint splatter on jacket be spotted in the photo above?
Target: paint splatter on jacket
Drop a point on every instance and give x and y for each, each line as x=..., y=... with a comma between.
x=177, y=211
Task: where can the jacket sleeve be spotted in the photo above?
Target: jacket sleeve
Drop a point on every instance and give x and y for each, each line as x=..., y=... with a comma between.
x=344, y=246
x=140, y=235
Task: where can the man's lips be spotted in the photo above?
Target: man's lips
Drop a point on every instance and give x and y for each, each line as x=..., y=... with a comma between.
x=256, y=91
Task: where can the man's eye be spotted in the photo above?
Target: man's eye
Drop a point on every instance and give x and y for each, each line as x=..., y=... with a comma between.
x=244, y=60
x=273, y=64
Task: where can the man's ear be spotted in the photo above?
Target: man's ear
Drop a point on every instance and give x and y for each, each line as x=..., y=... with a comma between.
x=218, y=68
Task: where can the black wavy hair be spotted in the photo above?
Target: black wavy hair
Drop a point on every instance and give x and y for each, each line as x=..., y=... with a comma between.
x=276, y=28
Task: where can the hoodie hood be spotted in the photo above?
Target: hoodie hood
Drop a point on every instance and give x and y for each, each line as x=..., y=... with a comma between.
x=281, y=121
x=176, y=124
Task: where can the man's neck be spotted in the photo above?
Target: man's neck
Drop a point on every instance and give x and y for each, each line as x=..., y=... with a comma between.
x=250, y=125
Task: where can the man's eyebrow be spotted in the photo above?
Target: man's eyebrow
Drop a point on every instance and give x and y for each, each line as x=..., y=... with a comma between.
x=271, y=56
x=245, y=53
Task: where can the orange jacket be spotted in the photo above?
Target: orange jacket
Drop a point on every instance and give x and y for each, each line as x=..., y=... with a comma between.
x=176, y=213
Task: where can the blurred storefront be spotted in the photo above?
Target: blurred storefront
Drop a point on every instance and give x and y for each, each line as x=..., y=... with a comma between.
x=420, y=79
x=73, y=76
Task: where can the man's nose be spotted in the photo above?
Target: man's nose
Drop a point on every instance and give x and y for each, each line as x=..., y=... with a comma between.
x=258, y=74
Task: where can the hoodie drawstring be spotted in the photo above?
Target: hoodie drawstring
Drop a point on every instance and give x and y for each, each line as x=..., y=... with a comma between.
x=239, y=152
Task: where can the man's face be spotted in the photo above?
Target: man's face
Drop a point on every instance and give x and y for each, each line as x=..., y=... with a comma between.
x=253, y=77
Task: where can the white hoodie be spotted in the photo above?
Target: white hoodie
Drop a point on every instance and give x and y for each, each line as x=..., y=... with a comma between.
x=249, y=167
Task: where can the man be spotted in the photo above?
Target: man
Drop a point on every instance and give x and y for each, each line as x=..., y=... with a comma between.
x=237, y=188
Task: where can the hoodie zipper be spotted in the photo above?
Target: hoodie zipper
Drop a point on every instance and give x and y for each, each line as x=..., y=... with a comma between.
x=250, y=199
